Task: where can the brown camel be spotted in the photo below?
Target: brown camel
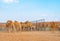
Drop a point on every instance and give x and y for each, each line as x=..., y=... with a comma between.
x=54, y=26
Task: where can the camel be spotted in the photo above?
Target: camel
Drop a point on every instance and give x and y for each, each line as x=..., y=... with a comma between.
x=22, y=26
x=26, y=26
x=17, y=25
x=54, y=26
x=29, y=25
x=10, y=26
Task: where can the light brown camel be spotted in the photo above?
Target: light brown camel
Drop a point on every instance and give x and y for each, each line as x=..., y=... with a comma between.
x=27, y=25
x=17, y=25
x=10, y=26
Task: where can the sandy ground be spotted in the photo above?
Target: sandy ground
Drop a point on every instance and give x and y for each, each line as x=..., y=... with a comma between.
x=30, y=36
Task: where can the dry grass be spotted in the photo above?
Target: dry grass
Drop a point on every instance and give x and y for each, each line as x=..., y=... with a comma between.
x=30, y=36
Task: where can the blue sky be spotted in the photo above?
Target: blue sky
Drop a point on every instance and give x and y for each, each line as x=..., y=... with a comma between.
x=23, y=10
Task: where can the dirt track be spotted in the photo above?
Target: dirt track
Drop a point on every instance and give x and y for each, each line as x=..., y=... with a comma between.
x=30, y=36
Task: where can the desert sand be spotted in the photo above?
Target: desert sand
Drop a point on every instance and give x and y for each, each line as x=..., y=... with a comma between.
x=31, y=36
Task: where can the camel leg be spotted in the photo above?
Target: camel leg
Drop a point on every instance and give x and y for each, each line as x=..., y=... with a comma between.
x=14, y=28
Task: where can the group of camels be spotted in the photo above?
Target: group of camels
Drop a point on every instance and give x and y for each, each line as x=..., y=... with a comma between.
x=19, y=26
